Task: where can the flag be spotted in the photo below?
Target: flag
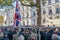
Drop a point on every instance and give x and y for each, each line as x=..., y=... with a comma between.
x=17, y=16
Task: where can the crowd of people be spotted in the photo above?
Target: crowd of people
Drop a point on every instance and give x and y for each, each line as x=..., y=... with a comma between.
x=7, y=34
x=50, y=33
x=17, y=34
x=29, y=34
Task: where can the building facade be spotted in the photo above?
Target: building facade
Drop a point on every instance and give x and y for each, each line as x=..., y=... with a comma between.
x=28, y=16
x=50, y=10
x=8, y=15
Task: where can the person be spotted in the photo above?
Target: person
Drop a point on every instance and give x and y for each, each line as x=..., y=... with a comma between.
x=1, y=34
x=5, y=33
x=21, y=37
x=49, y=34
x=33, y=35
x=30, y=38
x=43, y=34
x=5, y=37
x=15, y=36
x=55, y=35
x=10, y=34
x=59, y=34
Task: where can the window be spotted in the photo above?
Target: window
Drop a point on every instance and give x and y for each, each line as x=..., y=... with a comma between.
x=56, y=1
x=23, y=22
x=50, y=11
x=43, y=2
x=27, y=15
x=49, y=2
x=11, y=21
x=7, y=13
x=44, y=20
x=51, y=18
x=44, y=11
x=5, y=22
x=57, y=10
x=23, y=15
x=33, y=14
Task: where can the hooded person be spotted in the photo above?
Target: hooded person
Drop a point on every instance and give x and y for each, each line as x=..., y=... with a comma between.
x=55, y=35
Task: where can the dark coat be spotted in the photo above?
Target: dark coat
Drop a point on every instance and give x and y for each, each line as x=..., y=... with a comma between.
x=49, y=35
x=1, y=38
x=43, y=34
x=5, y=38
x=10, y=35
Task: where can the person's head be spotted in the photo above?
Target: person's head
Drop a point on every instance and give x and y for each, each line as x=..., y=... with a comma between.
x=43, y=29
x=8, y=29
x=56, y=31
x=48, y=29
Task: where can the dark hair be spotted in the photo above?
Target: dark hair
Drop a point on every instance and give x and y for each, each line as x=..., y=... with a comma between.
x=55, y=32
